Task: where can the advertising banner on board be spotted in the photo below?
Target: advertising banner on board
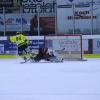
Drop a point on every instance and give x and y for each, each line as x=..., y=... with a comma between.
x=11, y=48
x=81, y=15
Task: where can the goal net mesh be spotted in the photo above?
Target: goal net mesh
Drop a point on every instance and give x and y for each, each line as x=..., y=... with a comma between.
x=65, y=46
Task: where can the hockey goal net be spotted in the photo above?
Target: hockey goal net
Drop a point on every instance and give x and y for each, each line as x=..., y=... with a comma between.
x=65, y=46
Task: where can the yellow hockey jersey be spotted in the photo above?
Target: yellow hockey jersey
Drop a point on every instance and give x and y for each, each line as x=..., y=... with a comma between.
x=19, y=40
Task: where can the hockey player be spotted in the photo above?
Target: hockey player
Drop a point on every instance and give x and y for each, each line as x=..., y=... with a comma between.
x=22, y=44
x=47, y=54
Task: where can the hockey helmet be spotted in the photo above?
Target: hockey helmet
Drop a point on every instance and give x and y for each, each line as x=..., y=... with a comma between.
x=18, y=33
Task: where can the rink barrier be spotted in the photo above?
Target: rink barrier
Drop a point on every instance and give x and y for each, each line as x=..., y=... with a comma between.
x=10, y=48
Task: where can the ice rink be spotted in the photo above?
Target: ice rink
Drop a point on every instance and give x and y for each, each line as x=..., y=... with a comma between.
x=71, y=80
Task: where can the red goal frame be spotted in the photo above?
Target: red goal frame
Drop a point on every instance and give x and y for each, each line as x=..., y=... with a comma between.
x=79, y=35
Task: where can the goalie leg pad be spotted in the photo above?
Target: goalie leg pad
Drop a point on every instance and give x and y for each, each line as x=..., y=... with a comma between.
x=55, y=59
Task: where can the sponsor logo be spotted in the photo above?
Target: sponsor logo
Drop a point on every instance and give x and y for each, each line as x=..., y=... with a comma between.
x=13, y=21
x=41, y=6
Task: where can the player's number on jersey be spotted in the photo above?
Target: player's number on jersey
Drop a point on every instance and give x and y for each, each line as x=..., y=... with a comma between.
x=18, y=38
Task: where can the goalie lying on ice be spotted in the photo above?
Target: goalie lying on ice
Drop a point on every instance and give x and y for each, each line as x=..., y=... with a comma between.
x=47, y=54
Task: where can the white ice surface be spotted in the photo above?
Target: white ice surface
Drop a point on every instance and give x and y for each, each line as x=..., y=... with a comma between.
x=71, y=80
